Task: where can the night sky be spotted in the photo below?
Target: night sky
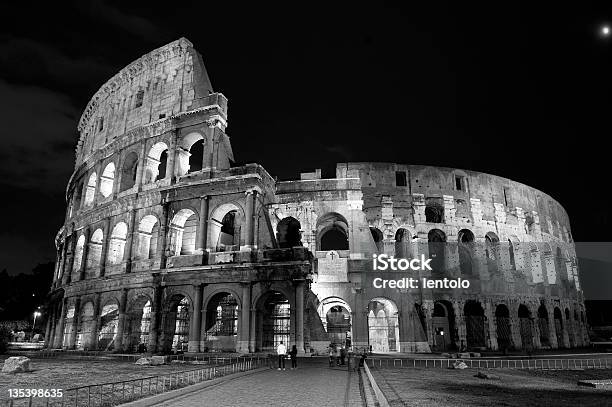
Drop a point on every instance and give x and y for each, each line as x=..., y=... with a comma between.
x=503, y=88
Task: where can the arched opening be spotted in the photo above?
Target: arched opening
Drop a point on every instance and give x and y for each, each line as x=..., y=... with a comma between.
x=221, y=327
x=335, y=315
x=176, y=324
x=189, y=154
x=117, y=243
x=85, y=329
x=383, y=325
x=274, y=317
x=183, y=233
x=403, y=244
x=225, y=227
x=94, y=254
x=475, y=325
x=68, y=325
x=491, y=251
x=526, y=327
x=558, y=326
x=138, y=325
x=129, y=171
x=332, y=232
x=511, y=256
x=228, y=232
x=288, y=233
x=78, y=254
x=436, y=243
x=76, y=196
x=377, y=236
x=109, y=318
x=443, y=326
x=155, y=163
x=504, y=335
x=543, y=325
x=434, y=213
x=107, y=179
x=465, y=248
x=148, y=231
x=196, y=156
x=90, y=192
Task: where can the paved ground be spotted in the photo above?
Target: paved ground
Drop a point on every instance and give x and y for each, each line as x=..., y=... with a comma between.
x=515, y=388
x=312, y=384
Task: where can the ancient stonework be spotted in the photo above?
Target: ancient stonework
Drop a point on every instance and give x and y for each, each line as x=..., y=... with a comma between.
x=168, y=247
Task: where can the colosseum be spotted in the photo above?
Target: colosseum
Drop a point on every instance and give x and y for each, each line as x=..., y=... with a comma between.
x=169, y=247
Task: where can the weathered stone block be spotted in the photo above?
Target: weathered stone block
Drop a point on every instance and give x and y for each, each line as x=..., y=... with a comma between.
x=17, y=364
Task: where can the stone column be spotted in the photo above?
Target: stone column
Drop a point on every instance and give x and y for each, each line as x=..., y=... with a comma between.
x=552, y=329
x=87, y=235
x=428, y=307
x=515, y=328
x=92, y=341
x=152, y=346
x=51, y=338
x=163, y=235
x=491, y=325
x=170, y=162
x=566, y=329
x=210, y=140
x=48, y=328
x=59, y=334
x=105, y=243
x=141, y=164
x=121, y=321
x=73, y=241
x=299, y=316
x=359, y=317
x=195, y=326
x=99, y=170
x=60, y=277
x=203, y=227
x=460, y=323
x=129, y=244
x=251, y=196
x=253, y=332
x=75, y=323
x=245, y=319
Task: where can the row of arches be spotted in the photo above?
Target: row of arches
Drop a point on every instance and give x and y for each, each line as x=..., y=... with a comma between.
x=520, y=331
x=225, y=231
x=133, y=330
x=190, y=157
x=497, y=255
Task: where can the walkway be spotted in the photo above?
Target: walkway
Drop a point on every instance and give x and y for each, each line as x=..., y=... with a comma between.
x=312, y=384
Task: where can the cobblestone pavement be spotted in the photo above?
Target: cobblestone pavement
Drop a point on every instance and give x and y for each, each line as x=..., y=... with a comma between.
x=312, y=384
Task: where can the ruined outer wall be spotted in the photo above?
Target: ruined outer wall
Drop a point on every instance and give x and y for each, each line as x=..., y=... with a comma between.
x=162, y=83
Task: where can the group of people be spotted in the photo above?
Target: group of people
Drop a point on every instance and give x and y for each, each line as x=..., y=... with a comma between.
x=281, y=351
x=337, y=356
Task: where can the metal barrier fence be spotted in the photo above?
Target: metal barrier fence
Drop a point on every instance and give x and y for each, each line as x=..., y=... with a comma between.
x=548, y=364
x=115, y=393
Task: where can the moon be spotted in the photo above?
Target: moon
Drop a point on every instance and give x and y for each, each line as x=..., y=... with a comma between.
x=605, y=30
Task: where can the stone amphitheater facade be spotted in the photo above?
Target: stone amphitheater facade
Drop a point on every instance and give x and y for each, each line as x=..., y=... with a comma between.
x=168, y=247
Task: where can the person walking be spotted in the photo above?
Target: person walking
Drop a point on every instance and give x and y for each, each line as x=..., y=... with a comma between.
x=293, y=355
x=281, y=351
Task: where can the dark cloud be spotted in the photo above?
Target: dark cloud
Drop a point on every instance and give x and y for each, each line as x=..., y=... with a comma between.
x=131, y=23
x=38, y=137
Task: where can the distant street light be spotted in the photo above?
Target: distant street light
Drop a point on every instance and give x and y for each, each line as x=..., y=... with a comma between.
x=36, y=314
